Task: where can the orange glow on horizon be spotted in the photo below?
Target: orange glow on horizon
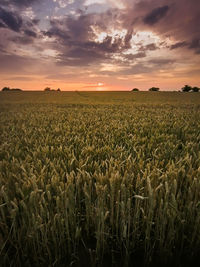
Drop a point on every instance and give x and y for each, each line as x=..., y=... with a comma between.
x=112, y=84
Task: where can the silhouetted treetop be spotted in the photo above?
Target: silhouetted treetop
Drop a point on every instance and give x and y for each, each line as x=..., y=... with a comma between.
x=5, y=89
x=186, y=88
x=47, y=89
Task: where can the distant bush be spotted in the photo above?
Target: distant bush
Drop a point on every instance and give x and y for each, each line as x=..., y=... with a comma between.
x=135, y=90
x=186, y=88
x=154, y=89
x=196, y=89
x=48, y=89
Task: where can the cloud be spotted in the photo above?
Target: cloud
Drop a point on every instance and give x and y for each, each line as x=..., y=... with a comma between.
x=148, y=47
x=30, y=33
x=178, y=20
x=10, y=20
x=178, y=45
x=195, y=44
x=17, y=29
x=162, y=61
x=127, y=37
x=135, y=56
x=2, y=25
x=156, y=15
x=78, y=39
x=151, y=47
x=20, y=3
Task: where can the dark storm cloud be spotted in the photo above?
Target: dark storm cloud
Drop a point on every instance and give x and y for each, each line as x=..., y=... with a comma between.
x=193, y=45
x=79, y=27
x=156, y=15
x=178, y=20
x=35, y=21
x=10, y=20
x=77, y=39
x=151, y=47
x=85, y=53
x=24, y=29
x=30, y=33
x=70, y=28
x=178, y=45
x=2, y=25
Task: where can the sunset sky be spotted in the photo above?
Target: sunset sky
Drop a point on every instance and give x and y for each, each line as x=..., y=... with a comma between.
x=99, y=44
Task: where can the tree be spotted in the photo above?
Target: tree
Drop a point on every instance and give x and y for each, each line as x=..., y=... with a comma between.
x=6, y=89
x=186, y=88
x=58, y=90
x=47, y=89
x=195, y=89
x=11, y=89
x=135, y=90
x=154, y=89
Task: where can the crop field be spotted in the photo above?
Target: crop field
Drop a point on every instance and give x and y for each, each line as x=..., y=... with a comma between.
x=99, y=178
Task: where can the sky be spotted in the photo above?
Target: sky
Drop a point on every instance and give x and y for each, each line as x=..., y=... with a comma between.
x=99, y=45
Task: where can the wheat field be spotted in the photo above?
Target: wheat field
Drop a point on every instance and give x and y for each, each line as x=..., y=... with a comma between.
x=99, y=178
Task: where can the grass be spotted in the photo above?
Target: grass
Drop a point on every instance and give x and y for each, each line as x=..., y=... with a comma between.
x=99, y=179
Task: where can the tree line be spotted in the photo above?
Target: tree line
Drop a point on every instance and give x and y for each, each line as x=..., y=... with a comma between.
x=6, y=89
x=10, y=89
x=186, y=88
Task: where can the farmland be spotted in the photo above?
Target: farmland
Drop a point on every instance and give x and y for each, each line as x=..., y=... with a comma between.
x=99, y=178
